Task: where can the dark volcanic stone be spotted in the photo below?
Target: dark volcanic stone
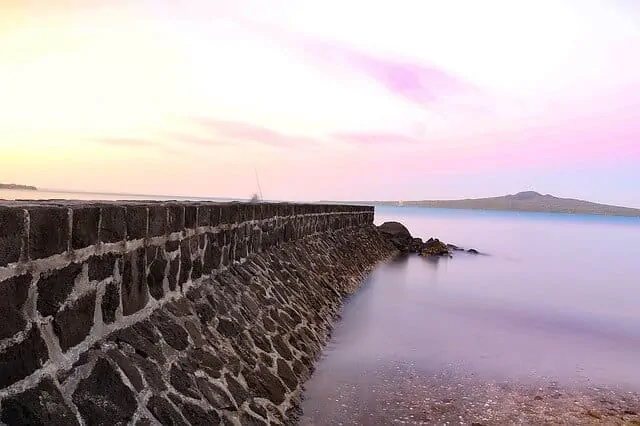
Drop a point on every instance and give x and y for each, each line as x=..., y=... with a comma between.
x=128, y=368
x=135, y=293
x=172, y=245
x=48, y=231
x=472, y=251
x=22, y=359
x=196, y=272
x=190, y=217
x=281, y=347
x=150, y=371
x=73, y=323
x=84, y=231
x=228, y=328
x=197, y=416
x=144, y=346
x=216, y=395
x=239, y=392
x=185, y=262
x=110, y=303
x=155, y=278
x=265, y=385
x=164, y=411
x=157, y=221
x=173, y=274
x=212, y=256
x=102, y=267
x=136, y=219
x=286, y=374
x=249, y=419
x=113, y=224
x=176, y=215
x=54, y=288
x=183, y=382
x=41, y=406
x=14, y=293
x=12, y=232
x=143, y=421
x=173, y=333
x=204, y=215
x=206, y=361
x=102, y=398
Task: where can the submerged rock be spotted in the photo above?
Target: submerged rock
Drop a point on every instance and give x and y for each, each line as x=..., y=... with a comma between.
x=473, y=251
x=435, y=247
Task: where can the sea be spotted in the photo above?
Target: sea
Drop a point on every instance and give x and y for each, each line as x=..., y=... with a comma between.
x=544, y=322
x=548, y=313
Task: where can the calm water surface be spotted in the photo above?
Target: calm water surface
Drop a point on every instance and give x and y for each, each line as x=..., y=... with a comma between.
x=555, y=302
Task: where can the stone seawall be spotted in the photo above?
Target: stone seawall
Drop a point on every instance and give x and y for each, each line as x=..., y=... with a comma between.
x=170, y=313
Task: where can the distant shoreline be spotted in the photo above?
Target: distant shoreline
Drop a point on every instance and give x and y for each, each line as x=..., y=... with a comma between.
x=528, y=201
x=17, y=186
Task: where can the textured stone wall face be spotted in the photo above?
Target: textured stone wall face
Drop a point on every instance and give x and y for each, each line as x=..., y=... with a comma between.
x=170, y=313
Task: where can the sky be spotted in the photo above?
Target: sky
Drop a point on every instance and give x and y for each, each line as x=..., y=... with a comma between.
x=357, y=100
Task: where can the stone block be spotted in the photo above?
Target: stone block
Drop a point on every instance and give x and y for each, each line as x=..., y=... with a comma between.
x=176, y=217
x=190, y=217
x=164, y=411
x=73, y=324
x=137, y=218
x=204, y=215
x=13, y=294
x=157, y=221
x=84, y=230
x=265, y=384
x=174, y=334
x=174, y=267
x=41, y=405
x=55, y=287
x=110, y=302
x=103, y=267
x=12, y=234
x=113, y=224
x=48, y=231
x=212, y=256
x=22, y=359
x=134, y=290
x=103, y=399
x=155, y=278
x=185, y=262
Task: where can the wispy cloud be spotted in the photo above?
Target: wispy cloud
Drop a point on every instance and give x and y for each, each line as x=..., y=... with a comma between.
x=125, y=142
x=244, y=132
x=374, y=138
x=415, y=82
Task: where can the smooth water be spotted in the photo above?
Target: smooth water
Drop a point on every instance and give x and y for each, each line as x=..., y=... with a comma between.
x=556, y=298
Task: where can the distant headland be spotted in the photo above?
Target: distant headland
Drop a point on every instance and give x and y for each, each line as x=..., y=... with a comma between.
x=527, y=201
x=18, y=187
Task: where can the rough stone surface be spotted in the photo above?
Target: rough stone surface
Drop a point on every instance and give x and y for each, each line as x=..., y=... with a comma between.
x=73, y=323
x=14, y=294
x=135, y=292
x=53, y=289
x=22, y=359
x=102, y=398
x=86, y=220
x=11, y=235
x=48, y=231
x=42, y=406
x=206, y=314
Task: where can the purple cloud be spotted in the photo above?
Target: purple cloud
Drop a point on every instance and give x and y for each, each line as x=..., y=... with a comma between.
x=241, y=131
x=415, y=82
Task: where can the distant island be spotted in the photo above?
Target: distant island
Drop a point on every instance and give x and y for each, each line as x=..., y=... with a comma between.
x=16, y=186
x=527, y=201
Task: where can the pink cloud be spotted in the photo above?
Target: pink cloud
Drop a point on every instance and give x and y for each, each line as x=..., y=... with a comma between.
x=241, y=131
x=376, y=138
x=415, y=82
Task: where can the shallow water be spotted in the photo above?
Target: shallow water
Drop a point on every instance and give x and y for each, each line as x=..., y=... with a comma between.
x=553, y=305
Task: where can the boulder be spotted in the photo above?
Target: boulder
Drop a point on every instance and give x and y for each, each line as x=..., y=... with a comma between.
x=472, y=251
x=398, y=234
